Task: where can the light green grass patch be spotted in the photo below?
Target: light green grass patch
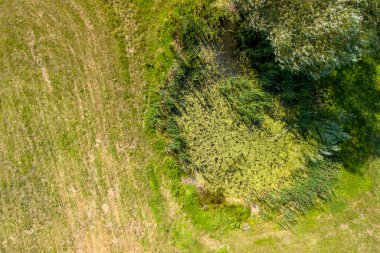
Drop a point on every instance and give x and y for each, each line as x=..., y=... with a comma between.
x=227, y=155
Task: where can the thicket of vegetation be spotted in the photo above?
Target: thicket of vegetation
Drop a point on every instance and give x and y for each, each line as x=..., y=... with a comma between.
x=317, y=36
x=252, y=125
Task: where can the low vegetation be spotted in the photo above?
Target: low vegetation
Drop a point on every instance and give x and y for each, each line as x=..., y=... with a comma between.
x=187, y=126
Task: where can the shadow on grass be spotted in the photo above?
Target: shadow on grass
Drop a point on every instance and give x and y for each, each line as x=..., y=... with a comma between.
x=340, y=111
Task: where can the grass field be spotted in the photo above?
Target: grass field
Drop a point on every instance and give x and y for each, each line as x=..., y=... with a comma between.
x=71, y=150
x=348, y=223
x=80, y=173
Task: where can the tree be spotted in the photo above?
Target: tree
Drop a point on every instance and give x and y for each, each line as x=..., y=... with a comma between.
x=314, y=36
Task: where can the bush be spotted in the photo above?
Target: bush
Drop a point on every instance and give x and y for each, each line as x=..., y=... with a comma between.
x=305, y=192
x=244, y=96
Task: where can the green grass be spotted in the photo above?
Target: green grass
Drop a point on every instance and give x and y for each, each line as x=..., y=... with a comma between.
x=347, y=223
x=243, y=162
x=73, y=152
x=80, y=168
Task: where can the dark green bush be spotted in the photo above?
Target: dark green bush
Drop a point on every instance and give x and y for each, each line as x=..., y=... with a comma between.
x=305, y=192
x=250, y=102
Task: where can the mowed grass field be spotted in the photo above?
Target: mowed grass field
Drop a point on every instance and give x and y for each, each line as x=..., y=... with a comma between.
x=72, y=155
x=78, y=171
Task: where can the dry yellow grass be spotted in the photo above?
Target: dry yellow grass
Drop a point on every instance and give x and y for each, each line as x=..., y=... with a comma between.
x=71, y=174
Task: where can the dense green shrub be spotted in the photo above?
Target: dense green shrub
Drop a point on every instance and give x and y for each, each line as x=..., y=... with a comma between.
x=316, y=36
x=356, y=91
x=304, y=98
x=271, y=137
x=249, y=101
x=305, y=192
x=243, y=161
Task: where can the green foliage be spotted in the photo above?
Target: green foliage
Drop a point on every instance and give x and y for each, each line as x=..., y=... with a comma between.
x=205, y=117
x=205, y=125
x=194, y=22
x=305, y=192
x=329, y=134
x=211, y=122
x=324, y=229
x=208, y=216
x=351, y=184
x=226, y=155
x=312, y=37
x=250, y=102
x=339, y=112
x=213, y=218
x=165, y=107
x=356, y=90
x=307, y=101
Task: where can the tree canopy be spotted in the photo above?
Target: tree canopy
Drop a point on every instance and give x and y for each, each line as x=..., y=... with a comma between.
x=315, y=36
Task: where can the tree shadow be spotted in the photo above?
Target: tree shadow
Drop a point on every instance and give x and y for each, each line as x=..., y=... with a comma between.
x=341, y=111
x=356, y=89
